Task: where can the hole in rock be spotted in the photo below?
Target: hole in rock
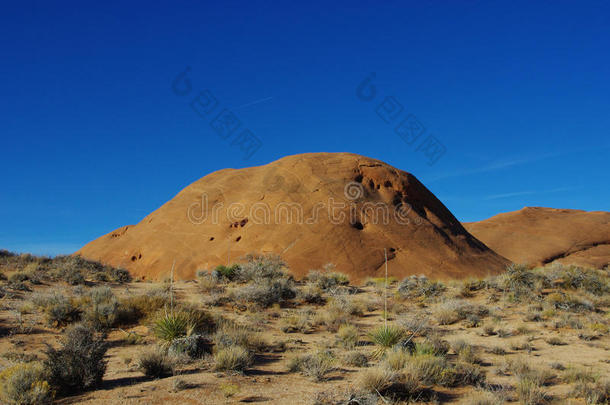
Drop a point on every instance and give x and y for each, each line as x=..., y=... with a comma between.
x=358, y=178
x=388, y=183
x=238, y=239
x=358, y=225
x=211, y=238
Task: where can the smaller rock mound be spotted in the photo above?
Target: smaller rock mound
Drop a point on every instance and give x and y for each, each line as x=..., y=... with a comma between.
x=538, y=236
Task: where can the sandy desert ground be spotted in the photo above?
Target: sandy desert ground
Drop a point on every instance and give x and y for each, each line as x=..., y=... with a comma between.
x=252, y=334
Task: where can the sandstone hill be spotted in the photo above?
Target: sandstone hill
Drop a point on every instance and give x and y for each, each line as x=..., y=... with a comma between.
x=311, y=209
x=538, y=236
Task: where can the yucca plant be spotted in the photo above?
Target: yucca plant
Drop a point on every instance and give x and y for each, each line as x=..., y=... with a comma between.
x=173, y=325
x=385, y=337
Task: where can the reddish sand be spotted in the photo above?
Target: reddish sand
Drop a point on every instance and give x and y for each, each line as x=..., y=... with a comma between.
x=537, y=236
x=362, y=205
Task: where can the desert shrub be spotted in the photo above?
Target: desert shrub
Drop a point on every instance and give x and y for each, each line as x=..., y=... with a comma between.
x=498, y=350
x=348, y=336
x=265, y=292
x=597, y=393
x=207, y=281
x=355, y=358
x=417, y=324
x=328, y=279
x=481, y=397
x=101, y=308
x=530, y=392
x=386, y=337
x=119, y=275
x=428, y=369
x=415, y=287
x=555, y=341
x=452, y=311
x=311, y=294
x=568, y=302
x=228, y=273
x=590, y=280
x=194, y=346
x=465, y=352
x=339, y=311
x=521, y=369
x=574, y=374
x=59, y=310
x=432, y=345
x=396, y=358
x=346, y=304
x=232, y=358
x=231, y=334
x=262, y=267
x=73, y=276
x=296, y=322
x=156, y=364
x=316, y=365
x=519, y=280
x=18, y=277
x=377, y=379
x=79, y=363
x=472, y=321
x=462, y=373
x=132, y=309
x=180, y=323
x=18, y=286
x=25, y=384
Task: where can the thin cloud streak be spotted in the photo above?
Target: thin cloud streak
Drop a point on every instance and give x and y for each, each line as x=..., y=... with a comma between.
x=520, y=193
x=262, y=100
x=516, y=161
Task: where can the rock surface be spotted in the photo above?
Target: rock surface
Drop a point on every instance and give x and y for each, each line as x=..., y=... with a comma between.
x=538, y=236
x=311, y=209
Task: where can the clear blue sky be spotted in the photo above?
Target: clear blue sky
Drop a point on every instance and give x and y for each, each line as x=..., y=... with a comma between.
x=93, y=137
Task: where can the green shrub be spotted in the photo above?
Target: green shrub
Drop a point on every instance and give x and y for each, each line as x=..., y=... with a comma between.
x=226, y=272
x=386, y=337
x=25, y=384
x=180, y=323
x=79, y=363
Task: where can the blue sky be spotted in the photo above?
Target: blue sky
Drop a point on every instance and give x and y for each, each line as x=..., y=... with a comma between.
x=93, y=137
